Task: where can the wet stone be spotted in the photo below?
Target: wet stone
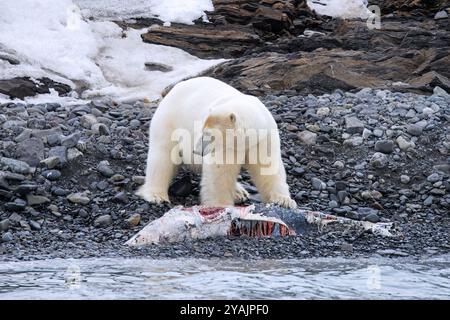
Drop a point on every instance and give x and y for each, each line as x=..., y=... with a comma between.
x=30, y=151
x=384, y=146
x=354, y=125
x=133, y=220
x=51, y=175
x=4, y=225
x=78, y=198
x=70, y=141
x=14, y=165
x=104, y=168
x=34, y=225
x=103, y=221
x=7, y=237
x=34, y=200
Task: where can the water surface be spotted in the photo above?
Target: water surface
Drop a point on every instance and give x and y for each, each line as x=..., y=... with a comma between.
x=111, y=278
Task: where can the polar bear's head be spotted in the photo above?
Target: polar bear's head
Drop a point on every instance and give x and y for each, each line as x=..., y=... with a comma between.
x=222, y=129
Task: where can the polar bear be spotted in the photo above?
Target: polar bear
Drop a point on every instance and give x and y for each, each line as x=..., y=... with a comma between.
x=204, y=120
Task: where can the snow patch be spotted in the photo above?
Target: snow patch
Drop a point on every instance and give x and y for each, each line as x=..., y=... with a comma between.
x=341, y=8
x=181, y=11
x=52, y=39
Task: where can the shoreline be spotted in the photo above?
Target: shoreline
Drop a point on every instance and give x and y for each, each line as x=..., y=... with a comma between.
x=329, y=162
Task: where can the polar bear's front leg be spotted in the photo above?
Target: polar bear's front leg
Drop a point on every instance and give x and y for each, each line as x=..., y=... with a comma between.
x=272, y=187
x=159, y=173
x=218, y=185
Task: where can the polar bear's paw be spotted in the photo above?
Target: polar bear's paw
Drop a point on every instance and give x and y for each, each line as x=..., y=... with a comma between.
x=152, y=196
x=240, y=194
x=282, y=200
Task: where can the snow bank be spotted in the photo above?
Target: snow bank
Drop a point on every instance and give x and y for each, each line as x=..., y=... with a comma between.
x=340, y=8
x=51, y=38
x=48, y=37
x=182, y=11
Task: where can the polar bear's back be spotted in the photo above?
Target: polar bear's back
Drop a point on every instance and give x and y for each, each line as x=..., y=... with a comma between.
x=193, y=99
x=201, y=91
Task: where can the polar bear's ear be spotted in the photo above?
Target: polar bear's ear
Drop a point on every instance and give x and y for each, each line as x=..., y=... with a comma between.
x=232, y=117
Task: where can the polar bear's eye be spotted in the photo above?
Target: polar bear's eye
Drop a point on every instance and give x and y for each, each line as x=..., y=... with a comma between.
x=233, y=117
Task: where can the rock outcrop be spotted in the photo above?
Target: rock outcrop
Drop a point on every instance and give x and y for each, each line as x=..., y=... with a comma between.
x=21, y=87
x=404, y=55
x=423, y=7
x=234, y=27
x=283, y=45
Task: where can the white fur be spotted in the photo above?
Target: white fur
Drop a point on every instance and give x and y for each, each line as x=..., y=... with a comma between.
x=195, y=100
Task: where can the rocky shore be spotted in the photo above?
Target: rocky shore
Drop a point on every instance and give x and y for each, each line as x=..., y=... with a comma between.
x=363, y=113
x=68, y=176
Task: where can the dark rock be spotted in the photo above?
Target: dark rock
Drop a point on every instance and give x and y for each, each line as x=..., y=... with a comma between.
x=333, y=204
x=120, y=197
x=318, y=184
x=14, y=165
x=34, y=225
x=341, y=195
x=384, y=146
x=428, y=201
x=4, y=225
x=341, y=185
x=17, y=205
x=51, y=175
x=307, y=137
x=443, y=168
x=298, y=171
x=33, y=200
x=347, y=247
x=7, y=237
x=414, y=129
x=354, y=125
x=133, y=220
x=103, y=221
x=30, y=151
x=379, y=160
x=78, y=198
x=372, y=217
x=71, y=140
x=22, y=87
x=54, y=139
x=102, y=185
x=25, y=189
x=104, y=168
x=441, y=15
x=83, y=213
x=100, y=129
x=51, y=162
x=182, y=187
x=153, y=66
x=60, y=152
x=204, y=41
x=57, y=191
x=434, y=177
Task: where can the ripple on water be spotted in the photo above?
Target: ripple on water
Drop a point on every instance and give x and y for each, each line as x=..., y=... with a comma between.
x=105, y=278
